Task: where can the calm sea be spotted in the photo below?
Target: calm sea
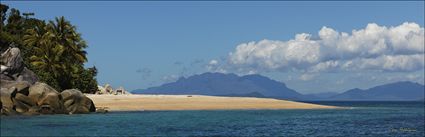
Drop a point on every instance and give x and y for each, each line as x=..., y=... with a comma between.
x=364, y=119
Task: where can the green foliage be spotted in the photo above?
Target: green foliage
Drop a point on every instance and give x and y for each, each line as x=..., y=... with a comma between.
x=3, y=10
x=86, y=80
x=53, y=50
x=48, y=78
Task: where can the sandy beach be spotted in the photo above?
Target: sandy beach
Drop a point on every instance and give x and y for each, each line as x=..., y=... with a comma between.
x=193, y=102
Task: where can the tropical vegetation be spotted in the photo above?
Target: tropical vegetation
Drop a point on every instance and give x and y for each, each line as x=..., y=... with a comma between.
x=53, y=49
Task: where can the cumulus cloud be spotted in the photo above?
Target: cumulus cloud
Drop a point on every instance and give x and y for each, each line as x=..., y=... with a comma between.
x=381, y=48
x=170, y=78
x=307, y=77
x=215, y=66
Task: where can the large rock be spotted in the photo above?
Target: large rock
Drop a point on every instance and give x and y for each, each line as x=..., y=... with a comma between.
x=47, y=98
x=22, y=94
x=6, y=77
x=22, y=103
x=101, y=90
x=21, y=86
x=6, y=97
x=13, y=95
x=108, y=89
x=11, y=61
x=27, y=75
x=76, y=102
x=13, y=68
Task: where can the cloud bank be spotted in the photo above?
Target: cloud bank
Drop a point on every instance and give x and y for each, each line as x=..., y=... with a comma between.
x=378, y=48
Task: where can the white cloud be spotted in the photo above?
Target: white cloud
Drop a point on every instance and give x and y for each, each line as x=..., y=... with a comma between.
x=307, y=77
x=170, y=78
x=215, y=66
x=213, y=62
x=416, y=77
x=381, y=48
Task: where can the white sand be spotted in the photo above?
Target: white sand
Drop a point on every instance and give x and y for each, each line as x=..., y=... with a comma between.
x=195, y=102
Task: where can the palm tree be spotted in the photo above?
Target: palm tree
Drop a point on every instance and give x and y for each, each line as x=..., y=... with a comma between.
x=74, y=55
x=47, y=53
x=57, y=49
x=66, y=34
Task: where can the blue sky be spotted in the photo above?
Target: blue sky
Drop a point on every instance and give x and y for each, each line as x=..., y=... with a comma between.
x=142, y=44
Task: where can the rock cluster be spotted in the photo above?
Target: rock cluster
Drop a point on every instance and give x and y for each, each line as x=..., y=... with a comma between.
x=21, y=93
x=108, y=90
x=13, y=68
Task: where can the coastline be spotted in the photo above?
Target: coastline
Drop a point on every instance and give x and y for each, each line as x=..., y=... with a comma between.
x=145, y=102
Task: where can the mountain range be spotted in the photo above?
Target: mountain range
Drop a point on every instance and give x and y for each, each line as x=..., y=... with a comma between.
x=219, y=84
x=399, y=91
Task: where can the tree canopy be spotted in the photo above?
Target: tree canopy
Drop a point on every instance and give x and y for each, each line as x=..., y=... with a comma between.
x=53, y=49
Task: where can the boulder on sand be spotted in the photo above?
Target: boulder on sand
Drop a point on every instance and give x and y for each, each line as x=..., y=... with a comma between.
x=101, y=90
x=108, y=89
x=76, y=102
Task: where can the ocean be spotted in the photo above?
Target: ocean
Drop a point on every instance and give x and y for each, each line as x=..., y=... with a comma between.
x=363, y=119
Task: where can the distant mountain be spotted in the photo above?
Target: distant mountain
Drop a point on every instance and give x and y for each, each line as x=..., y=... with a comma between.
x=398, y=91
x=220, y=84
x=322, y=95
x=253, y=94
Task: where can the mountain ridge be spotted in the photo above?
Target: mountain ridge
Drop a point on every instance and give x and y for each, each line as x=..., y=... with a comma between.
x=220, y=84
x=395, y=91
x=225, y=84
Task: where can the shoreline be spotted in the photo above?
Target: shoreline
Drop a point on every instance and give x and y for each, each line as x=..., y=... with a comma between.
x=148, y=102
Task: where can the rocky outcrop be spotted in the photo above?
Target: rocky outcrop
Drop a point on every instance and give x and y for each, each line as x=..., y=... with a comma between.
x=6, y=97
x=27, y=75
x=13, y=68
x=108, y=90
x=22, y=94
x=76, y=102
x=101, y=90
x=46, y=98
x=12, y=61
x=40, y=98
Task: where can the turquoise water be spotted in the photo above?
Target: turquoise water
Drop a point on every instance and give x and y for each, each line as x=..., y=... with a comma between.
x=365, y=119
